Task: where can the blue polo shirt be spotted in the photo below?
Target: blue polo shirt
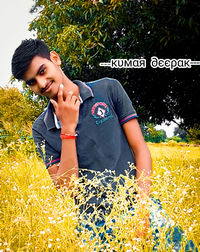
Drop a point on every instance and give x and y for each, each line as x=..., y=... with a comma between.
x=101, y=143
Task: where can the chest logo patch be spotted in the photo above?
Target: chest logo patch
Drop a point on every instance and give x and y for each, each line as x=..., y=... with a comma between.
x=100, y=111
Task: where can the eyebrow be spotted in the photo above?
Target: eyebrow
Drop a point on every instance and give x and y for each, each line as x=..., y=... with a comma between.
x=33, y=79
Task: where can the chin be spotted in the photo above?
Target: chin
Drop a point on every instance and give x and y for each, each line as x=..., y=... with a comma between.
x=54, y=93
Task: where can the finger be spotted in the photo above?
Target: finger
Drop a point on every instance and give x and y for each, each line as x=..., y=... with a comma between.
x=74, y=99
x=60, y=94
x=69, y=96
x=55, y=104
x=77, y=103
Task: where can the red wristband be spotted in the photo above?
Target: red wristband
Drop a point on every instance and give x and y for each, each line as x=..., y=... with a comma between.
x=68, y=136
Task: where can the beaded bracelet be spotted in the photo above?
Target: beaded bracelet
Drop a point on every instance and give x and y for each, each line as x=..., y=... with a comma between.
x=68, y=136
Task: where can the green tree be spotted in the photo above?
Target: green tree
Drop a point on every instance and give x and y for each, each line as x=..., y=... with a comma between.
x=86, y=33
x=153, y=135
x=180, y=133
x=164, y=135
x=194, y=134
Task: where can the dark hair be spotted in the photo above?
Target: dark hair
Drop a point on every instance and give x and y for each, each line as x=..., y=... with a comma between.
x=24, y=54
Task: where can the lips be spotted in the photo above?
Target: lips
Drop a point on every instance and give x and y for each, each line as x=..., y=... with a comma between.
x=46, y=89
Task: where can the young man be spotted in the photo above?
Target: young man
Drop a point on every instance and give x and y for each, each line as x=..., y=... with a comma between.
x=87, y=126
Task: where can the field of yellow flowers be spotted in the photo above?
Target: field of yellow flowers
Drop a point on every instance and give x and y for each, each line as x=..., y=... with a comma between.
x=34, y=216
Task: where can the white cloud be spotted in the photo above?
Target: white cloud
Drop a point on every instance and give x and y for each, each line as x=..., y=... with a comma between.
x=169, y=129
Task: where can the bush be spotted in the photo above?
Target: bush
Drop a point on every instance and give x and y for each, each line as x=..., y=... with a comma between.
x=194, y=135
x=175, y=139
x=152, y=135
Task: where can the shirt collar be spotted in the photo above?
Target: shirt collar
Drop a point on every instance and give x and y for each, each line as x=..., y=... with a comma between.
x=50, y=119
x=85, y=91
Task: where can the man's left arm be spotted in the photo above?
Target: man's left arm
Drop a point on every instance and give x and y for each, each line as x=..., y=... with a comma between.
x=143, y=169
x=127, y=118
x=142, y=156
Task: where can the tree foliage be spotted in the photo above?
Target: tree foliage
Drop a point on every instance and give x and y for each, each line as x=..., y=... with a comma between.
x=153, y=135
x=16, y=116
x=194, y=135
x=174, y=139
x=86, y=33
x=180, y=133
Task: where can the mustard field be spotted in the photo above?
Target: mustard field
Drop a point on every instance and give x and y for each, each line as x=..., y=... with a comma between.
x=34, y=216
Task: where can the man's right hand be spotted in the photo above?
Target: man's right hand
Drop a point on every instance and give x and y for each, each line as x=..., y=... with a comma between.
x=67, y=110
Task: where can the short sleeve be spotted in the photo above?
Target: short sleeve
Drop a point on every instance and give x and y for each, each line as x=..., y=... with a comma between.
x=122, y=103
x=47, y=153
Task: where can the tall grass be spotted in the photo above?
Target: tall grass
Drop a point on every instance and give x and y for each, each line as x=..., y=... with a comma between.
x=34, y=216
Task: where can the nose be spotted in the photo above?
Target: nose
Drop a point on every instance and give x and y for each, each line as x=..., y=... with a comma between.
x=41, y=82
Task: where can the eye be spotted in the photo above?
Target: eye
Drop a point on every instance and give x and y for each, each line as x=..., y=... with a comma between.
x=42, y=71
x=31, y=82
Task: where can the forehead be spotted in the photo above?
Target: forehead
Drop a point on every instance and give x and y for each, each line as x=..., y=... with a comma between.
x=35, y=64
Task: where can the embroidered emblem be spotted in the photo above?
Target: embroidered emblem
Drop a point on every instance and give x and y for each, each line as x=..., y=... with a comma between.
x=101, y=112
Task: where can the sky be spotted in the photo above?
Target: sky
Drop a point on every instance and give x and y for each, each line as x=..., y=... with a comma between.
x=14, y=22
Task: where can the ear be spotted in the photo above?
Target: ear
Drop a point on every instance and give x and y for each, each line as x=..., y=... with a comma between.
x=55, y=58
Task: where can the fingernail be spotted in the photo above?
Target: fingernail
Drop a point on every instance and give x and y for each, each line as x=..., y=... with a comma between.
x=61, y=86
x=70, y=92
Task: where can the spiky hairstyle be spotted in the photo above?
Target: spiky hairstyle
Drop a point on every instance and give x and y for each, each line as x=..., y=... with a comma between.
x=24, y=54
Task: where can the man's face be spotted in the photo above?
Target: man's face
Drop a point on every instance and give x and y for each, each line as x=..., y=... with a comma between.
x=45, y=76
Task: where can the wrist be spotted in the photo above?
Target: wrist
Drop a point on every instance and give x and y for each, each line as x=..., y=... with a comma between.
x=67, y=136
x=70, y=131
